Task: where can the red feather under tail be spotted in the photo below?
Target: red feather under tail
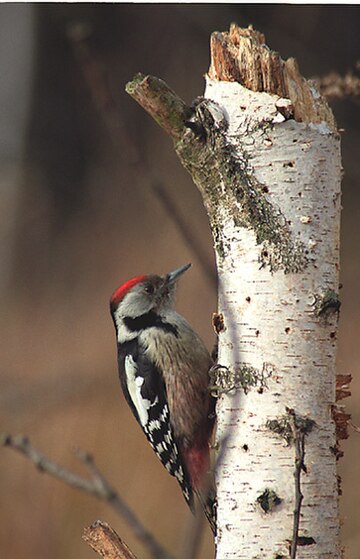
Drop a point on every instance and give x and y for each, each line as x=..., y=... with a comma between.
x=197, y=460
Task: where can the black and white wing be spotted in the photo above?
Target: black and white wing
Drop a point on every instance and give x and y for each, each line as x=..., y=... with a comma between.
x=145, y=392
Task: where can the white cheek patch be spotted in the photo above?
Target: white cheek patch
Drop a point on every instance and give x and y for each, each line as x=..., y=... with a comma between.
x=134, y=384
x=123, y=334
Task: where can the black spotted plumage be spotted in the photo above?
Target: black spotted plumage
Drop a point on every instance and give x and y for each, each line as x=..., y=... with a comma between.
x=148, y=403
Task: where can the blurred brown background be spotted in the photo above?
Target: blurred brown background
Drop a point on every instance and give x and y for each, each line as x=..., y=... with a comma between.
x=86, y=181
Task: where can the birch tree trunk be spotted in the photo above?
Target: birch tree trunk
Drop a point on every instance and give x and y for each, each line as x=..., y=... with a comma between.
x=278, y=270
x=263, y=149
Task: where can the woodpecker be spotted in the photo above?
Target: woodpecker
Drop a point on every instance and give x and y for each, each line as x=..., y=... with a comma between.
x=164, y=373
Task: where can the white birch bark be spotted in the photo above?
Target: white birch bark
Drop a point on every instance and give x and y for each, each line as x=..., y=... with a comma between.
x=278, y=340
x=269, y=172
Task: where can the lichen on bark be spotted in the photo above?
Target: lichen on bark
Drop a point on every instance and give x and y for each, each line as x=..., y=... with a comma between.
x=244, y=376
x=268, y=500
x=226, y=181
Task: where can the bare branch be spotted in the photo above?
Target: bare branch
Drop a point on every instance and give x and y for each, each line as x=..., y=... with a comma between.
x=161, y=102
x=300, y=427
x=299, y=442
x=356, y=428
x=105, y=541
x=97, y=485
x=44, y=464
x=334, y=86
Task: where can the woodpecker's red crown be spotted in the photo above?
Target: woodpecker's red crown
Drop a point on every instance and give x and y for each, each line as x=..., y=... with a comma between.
x=121, y=291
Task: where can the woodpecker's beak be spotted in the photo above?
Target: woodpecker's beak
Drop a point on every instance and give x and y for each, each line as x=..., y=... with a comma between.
x=172, y=277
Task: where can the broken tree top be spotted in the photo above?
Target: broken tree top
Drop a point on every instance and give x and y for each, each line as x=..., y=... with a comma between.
x=241, y=55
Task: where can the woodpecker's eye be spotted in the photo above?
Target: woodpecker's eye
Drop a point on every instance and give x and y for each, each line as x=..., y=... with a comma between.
x=149, y=288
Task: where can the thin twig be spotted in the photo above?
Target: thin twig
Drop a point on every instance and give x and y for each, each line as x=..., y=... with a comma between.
x=356, y=428
x=299, y=442
x=97, y=485
x=334, y=86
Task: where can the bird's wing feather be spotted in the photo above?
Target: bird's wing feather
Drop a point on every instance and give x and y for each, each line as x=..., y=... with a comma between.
x=146, y=396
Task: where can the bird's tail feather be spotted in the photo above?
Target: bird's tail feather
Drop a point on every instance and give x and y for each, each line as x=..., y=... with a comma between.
x=208, y=505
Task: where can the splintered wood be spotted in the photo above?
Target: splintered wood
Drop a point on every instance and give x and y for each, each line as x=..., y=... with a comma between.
x=241, y=55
